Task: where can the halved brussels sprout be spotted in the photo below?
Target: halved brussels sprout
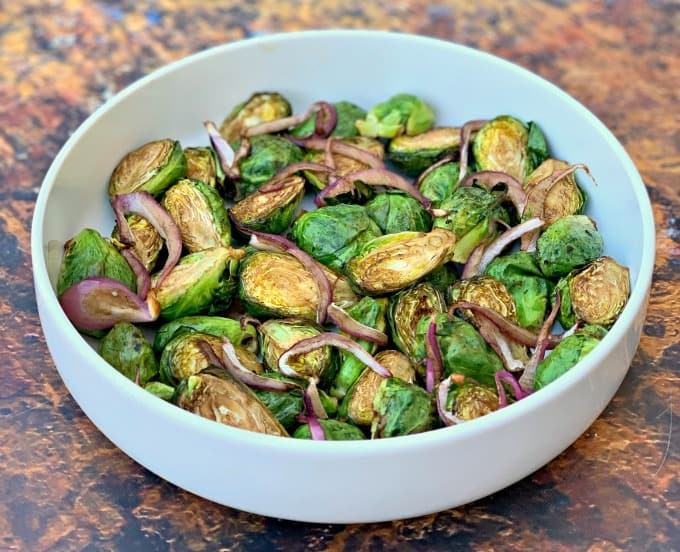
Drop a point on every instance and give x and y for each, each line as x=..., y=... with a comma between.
x=398, y=212
x=148, y=243
x=126, y=349
x=389, y=263
x=261, y=107
x=413, y=154
x=564, y=198
x=347, y=114
x=200, y=214
x=160, y=390
x=241, y=335
x=469, y=400
x=215, y=395
x=200, y=282
x=152, y=168
x=401, y=114
x=270, y=211
x=401, y=409
x=203, y=165
x=285, y=405
x=440, y=183
x=569, y=243
x=334, y=234
x=333, y=430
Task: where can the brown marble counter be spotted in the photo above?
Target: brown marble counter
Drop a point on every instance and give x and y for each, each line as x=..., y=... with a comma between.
x=64, y=486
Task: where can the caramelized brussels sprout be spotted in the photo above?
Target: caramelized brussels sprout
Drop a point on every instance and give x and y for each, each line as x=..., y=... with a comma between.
x=203, y=165
x=268, y=155
x=401, y=409
x=333, y=430
x=261, y=107
x=285, y=405
x=152, y=168
x=347, y=114
x=148, y=243
x=565, y=196
x=468, y=399
x=241, y=335
x=126, y=349
x=569, y=243
x=401, y=114
x=484, y=291
x=413, y=154
x=397, y=212
x=440, y=183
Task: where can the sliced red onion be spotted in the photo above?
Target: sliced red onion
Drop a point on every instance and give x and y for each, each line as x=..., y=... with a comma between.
x=100, y=303
x=434, y=366
x=226, y=155
x=143, y=277
x=471, y=267
x=465, y=134
x=337, y=185
x=144, y=204
x=277, y=181
x=242, y=151
x=353, y=327
x=443, y=388
x=499, y=343
x=384, y=177
x=519, y=393
x=315, y=428
x=312, y=401
x=325, y=121
x=335, y=145
x=506, y=238
x=489, y=179
x=333, y=340
x=328, y=152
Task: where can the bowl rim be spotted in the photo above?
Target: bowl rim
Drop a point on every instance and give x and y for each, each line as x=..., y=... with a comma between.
x=52, y=310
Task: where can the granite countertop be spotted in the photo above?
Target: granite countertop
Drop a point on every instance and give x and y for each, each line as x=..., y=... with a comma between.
x=64, y=486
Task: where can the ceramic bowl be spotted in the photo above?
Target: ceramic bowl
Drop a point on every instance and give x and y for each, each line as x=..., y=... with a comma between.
x=364, y=481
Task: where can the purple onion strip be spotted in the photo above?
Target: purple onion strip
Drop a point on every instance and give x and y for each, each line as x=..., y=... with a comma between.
x=143, y=277
x=384, y=177
x=465, y=134
x=276, y=182
x=442, y=395
x=505, y=376
x=490, y=179
x=353, y=327
x=313, y=401
x=434, y=364
x=505, y=239
x=224, y=152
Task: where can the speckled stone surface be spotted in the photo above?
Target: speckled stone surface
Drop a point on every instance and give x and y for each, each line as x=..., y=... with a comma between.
x=63, y=486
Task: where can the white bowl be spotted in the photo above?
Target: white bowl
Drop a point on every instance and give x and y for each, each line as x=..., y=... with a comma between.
x=339, y=481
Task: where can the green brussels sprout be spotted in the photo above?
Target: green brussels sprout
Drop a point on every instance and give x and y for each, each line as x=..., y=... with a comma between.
x=334, y=234
x=485, y=291
x=277, y=336
x=241, y=336
x=470, y=214
x=568, y=352
x=596, y=294
x=467, y=399
x=203, y=165
x=89, y=255
x=401, y=409
x=407, y=308
x=522, y=277
x=152, y=168
x=413, y=154
x=277, y=284
x=217, y=396
x=148, y=243
x=440, y=183
x=370, y=312
x=126, y=349
x=389, y=263
x=565, y=197
x=160, y=390
x=401, y=114
x=333, y=430
x=507, y=145
x=268, y=155
x=569, y=243
x=285, y=405
x=270, y=211
x=200, y=214
x=443, y=276
x=397, y=212
x=462, y=348
x=200, y=282
x=261, y=107
x=357, y=406
x=347, y=114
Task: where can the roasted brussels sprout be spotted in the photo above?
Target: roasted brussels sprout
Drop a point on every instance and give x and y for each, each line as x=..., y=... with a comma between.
x=270, y=211
x=468, y=399
x=152, y=168
x=440, y=183
x=200, y=282
x=285, y=405
x=401, y=409
x=203, y=165
x=333, y=430
x=564, y=198
x=596, y=295
x=484, y=291
x=126, y=349
x=241, y=335
x=407, y=308
x=347, y=114
x=160, y=390
x=413, y=154
x=200, y=214
x=401, y=114
x=334, y=234
x=88, y=255
x=389, y=263
x=148, y=243
x=215, y=395
x=569, y=243
x=261, y=107
x=397, y=212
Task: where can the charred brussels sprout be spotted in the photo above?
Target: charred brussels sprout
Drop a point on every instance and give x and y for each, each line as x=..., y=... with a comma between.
x=200, y=214
x=215, y=395
x=401, y=409
x=347, y=114
x=127, y=350
x=334, y=234
x=413, y=154
x=200, y=282
x=333, y=430
x=240, y=335
x=152, y=168
x=485, y=291
x=407, y=308
x=389, y=263
x=440, y=183
x=270, y=211
x=268, y=155
x=285, y=405
x=468, y=400
x=565, y=197
x=571, y=242
x=470, y=214
x=203, y=165
x=88, y=255
x=148, y=243
x=401, y=114
x=261, y=107
x=597, y=294
x=397, y=212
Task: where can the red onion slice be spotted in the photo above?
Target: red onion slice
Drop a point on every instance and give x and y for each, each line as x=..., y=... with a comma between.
x=100, y=303
x=519, y=393
x=312, y=401
x=471, y=267
x=333, y=340
x=442, y=395
x=336, y=145
x=499, y=343
x=144, y=204
x=143, y=277
x=353, y=327
x=506, y=238
x=276, y=182
x=228, y=159
x=337, y=185
x=315, y=428
x=489, y=179
x=324, y=123
x=326, y=119
x=433, y=365
x=465, y=134
x=389, y=179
